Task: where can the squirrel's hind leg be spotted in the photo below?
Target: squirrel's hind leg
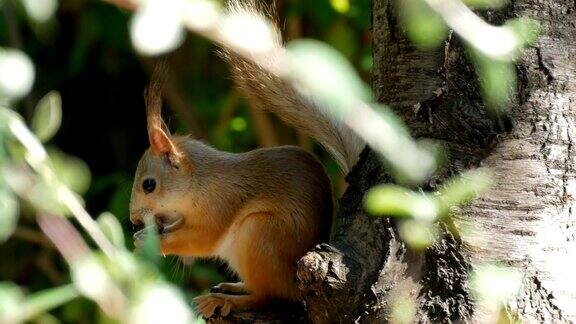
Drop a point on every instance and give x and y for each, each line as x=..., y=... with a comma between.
x=208, y=304
x=232, y=288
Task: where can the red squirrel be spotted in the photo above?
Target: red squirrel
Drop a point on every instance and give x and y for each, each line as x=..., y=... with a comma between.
x=259, y=211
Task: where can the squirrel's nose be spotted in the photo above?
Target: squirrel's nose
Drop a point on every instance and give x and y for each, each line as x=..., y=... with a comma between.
x=137, y=217
x=138, y=223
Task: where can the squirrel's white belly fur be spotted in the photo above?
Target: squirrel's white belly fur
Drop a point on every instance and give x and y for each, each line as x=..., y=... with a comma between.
x=225, y=249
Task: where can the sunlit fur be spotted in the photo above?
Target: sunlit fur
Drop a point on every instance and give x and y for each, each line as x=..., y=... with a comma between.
x=266, y=91
x=260, y=211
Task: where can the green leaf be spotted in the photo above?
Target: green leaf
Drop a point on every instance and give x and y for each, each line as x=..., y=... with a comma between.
x=465, y=188
x=341, y=6
x=44, y=196
x=43, y=301
x=425, y=27
x=91, y=277
x=48, y=116
x=497, y=80
x=40, y=11
x=495, y=284
x=46, y=318
x=391, y=200
x=8, y=213
x=527, y=30
x=331, y=81
x=11, y=297
x=418, y=235
x=151, y=296
x=327, y=74
x=16, y=74
x=403, y=308
x=72, y=171
x=112, y=229
x=485, y=4
x=156, y=27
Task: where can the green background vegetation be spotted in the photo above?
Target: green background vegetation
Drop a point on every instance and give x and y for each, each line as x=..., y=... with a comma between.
x=85, y=53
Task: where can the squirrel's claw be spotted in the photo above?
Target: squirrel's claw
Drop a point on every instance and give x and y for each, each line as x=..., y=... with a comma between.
x=208, y=304
x=237, y=288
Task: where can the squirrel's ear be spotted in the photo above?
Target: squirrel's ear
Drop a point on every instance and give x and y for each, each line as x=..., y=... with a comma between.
x=162, y=145
x=160, y=142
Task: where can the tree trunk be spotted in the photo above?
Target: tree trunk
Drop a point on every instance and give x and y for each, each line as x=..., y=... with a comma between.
x=525, y=221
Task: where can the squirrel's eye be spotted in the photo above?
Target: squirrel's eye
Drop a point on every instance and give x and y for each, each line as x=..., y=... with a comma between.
x=148, y=185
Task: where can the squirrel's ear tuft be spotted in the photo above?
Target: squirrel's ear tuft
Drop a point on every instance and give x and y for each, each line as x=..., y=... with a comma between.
x=153, y=100
x=158, y=134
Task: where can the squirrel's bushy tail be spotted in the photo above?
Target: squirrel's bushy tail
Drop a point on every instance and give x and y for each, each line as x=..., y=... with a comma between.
x=268, y=92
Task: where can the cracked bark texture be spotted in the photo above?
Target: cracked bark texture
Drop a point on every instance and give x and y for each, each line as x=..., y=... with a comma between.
x=525, y=221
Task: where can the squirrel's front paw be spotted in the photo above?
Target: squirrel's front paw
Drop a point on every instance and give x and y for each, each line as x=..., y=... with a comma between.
x=208, y=304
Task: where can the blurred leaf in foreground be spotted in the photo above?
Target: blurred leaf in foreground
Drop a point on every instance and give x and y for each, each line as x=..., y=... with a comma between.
x=484, y=4
x=465, y=188
x=8, y=212
x=418, y=235
x=70, y=170
x=403, y=309
x=497, y=80
x=40, y=11
x=156, y=27
x=328, y=75
x=526, y=29
x=419, y=210
x=495, y=285
x=318, y=70
x=16, y=74
x=160, y=296
x=391, y=200
x=16, y=307
x=341, y=6
x=11, y=297
x=48, y=116
x=425, y=27
x=41, y=302
x=112, y=228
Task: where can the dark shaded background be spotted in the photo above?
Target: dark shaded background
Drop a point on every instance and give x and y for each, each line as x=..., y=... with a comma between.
x=86, y=55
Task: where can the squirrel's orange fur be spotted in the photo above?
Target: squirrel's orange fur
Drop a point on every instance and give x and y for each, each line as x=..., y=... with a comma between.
x=260, y=211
